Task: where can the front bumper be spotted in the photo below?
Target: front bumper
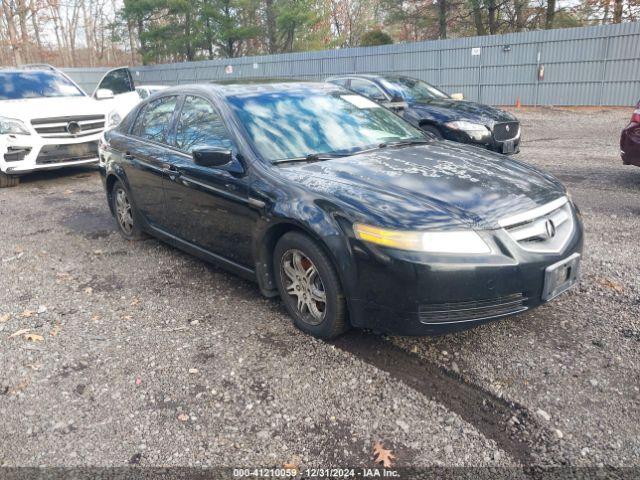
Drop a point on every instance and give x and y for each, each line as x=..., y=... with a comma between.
x=489, y=142
x=20, y=154
x=411, y=293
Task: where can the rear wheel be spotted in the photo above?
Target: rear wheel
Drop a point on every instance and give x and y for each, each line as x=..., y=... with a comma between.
x=124, y=213
x=8, y=180
x=309, y=286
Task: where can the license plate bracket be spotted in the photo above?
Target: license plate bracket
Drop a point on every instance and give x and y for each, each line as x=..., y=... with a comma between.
x=508, y=146
x=560, y=276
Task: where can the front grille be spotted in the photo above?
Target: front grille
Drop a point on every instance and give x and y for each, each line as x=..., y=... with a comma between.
x=52, y=154
x=544, y=229
x=69, y=127
x=473, y=310
x=506, y=131
x=16, y=154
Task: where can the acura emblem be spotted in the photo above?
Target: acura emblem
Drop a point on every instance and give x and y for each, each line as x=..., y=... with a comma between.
x=73, y=128
x=507, y=127
x=550, y=228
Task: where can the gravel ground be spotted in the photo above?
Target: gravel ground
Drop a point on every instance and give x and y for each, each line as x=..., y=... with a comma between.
x=143, y=355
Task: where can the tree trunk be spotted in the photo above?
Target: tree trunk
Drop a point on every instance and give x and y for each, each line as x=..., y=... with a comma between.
x=272, y=46
x=493, y=10
x=24, y=33
x=442, y=18
x=36, y=28
x=13, y=34
x=477, y=17
x=551, y=12
x=617, y=11
x=521, y=19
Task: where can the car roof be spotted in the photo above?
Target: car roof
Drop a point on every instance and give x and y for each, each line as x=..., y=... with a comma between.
x=24, y=70
x=253, y=88
x=368, y=76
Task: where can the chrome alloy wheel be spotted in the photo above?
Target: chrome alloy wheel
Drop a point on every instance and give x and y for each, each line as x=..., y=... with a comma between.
x=302, y=282
x=123, y=211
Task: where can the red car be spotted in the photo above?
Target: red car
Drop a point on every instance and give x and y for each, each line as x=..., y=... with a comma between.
x=630, y=140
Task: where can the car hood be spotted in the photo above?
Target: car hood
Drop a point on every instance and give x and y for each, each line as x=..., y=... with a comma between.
x=440, y=185
x=450, y=110
x=30, y=108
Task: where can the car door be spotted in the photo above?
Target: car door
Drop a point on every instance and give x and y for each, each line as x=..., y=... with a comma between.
x=145, y=157
x=207, y=206
x=125, y=97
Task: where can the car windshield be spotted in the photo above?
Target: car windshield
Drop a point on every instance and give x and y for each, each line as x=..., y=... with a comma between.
x=36, y=84
x=295, y=124
x=412, y=90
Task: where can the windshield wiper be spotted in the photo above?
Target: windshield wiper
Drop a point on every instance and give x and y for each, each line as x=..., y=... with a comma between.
x=314, y=157
x=403, y=143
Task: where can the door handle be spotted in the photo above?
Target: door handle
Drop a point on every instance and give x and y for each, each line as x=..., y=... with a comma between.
x=171, y=170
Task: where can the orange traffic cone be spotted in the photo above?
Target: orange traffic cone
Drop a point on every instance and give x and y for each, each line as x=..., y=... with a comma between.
x=518, y=102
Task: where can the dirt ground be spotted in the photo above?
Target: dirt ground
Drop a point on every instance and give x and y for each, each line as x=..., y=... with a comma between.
x=115, y=353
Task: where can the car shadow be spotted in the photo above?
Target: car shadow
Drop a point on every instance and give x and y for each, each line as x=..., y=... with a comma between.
x=59, y=174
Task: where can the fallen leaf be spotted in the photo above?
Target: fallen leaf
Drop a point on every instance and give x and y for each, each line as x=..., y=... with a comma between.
x=135, y=301
x=290, y=466
x=382, y=455
x=183, y=417
x=33, y=337
x=5, y=317
x=97, y=252
x=612, y=284
x=22, y=331
x=95, y=318
x=55, y=330
x=88, y=290
x=138, y=381
x=34, y=366
x=67, y=192
x=27, y=314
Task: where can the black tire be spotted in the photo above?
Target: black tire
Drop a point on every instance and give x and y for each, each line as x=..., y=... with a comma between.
x=324, y=280
x=127, y=222
x=432, y=130
x=7, y=181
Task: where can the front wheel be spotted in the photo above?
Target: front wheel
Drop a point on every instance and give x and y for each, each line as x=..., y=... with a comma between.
x=309, y=286
x=7, y=181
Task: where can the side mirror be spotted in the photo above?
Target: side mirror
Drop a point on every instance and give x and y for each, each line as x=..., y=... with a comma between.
x=104, y=94
x=457, y=96
x=397, y=98
x=211, y=156
x=217, y=157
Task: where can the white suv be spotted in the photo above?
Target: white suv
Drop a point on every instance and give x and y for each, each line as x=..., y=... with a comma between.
x=46, y=121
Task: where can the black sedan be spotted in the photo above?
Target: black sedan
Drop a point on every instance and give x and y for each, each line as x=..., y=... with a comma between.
x=433, y=111
x=349, y=213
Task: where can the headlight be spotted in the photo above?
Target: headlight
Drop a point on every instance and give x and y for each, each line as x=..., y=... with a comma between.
x=10, y=126
x=114, y=119
x=464, y=241
x=467, y=126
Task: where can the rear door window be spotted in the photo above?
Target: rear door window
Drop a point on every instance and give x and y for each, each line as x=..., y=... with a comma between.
x=154, y=120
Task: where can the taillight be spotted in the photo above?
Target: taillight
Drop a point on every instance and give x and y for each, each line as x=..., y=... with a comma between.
x=635, y=117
